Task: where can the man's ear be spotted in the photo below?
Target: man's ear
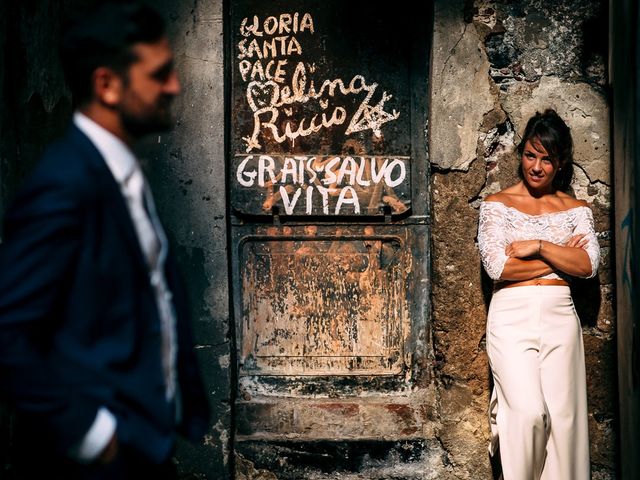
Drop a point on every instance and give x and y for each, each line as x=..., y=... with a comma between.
x=107, y=86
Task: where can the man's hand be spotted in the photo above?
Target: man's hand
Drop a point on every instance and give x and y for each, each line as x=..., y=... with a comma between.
x=110, y=452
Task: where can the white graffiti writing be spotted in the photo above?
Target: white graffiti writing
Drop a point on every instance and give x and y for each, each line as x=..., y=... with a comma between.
x=333, y=171
x=266, y=98
x=270, y=96
x=277, y=46
x=290, y=203
x=324, y=185
x=284, y=23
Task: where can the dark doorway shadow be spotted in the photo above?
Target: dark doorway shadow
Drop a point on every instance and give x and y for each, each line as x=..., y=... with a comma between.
x=496, y=467
x=587, y=300
x=486, y=285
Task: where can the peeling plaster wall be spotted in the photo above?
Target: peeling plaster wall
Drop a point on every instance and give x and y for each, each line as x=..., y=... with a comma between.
x=494, y=64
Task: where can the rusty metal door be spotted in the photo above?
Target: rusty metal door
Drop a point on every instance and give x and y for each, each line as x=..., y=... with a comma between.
x=328, y=184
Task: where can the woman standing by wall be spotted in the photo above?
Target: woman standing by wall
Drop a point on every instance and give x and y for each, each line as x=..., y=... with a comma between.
x=533, y=238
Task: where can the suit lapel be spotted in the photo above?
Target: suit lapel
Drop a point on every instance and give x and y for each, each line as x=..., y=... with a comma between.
x=105, y=182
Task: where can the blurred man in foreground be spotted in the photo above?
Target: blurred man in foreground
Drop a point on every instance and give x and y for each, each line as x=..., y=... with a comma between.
x=95, y=344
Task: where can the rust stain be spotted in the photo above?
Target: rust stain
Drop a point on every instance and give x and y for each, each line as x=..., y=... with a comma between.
x=323, y=307
x=400, y=409
x=348, y=410
x=404, y=412
x=395, y=203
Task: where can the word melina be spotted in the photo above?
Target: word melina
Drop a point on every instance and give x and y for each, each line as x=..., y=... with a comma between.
x=327, y=176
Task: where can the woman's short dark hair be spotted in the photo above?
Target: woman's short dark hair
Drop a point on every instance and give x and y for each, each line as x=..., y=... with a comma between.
x=555, y=136
x=103, y=37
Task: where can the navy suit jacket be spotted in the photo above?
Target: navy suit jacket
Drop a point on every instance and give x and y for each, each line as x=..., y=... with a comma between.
x=79, y=326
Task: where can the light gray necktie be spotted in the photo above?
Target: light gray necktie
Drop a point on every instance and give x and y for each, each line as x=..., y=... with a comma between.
x=153, y=243
x=147, y=235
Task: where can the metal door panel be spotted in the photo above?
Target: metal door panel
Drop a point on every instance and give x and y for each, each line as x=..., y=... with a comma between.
x=322, y=306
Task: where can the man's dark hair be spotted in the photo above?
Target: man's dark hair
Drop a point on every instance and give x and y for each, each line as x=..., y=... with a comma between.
x=555, y=136
x=103, y=37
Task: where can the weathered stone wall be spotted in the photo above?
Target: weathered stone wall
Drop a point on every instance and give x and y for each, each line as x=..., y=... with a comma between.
x=494, y=64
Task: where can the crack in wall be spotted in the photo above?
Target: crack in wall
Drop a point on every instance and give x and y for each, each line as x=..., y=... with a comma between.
x=452, y=51
x=586, y=174
x=578, y=109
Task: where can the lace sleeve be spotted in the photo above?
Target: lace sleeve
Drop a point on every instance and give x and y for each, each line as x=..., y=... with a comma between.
x=491, y=240
x=584, y=224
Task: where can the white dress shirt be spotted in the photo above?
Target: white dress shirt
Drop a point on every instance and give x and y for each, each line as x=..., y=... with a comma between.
x=153, y=242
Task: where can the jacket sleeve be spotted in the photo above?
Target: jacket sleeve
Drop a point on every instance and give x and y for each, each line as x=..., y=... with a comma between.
x=40, y=246
x=195, y=406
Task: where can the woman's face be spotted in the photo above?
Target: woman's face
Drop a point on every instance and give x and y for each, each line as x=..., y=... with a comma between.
x=538, y=169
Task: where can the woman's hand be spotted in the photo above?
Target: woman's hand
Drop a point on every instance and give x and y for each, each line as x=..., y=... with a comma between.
x=531, y=248
x=577, y=241
x=534, y=258
x=522, y=248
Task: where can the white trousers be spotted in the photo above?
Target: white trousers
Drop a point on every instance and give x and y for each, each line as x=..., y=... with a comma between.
x=539, y=402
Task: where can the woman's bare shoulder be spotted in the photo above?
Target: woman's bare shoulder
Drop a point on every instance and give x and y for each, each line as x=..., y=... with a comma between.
x=571, y=202
x=503, y=196
x=494, y=197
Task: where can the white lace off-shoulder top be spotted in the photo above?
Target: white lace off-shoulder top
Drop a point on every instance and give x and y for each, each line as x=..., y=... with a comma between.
x=500, y=225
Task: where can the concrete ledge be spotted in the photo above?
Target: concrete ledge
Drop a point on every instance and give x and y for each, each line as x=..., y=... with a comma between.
x=388, y=418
